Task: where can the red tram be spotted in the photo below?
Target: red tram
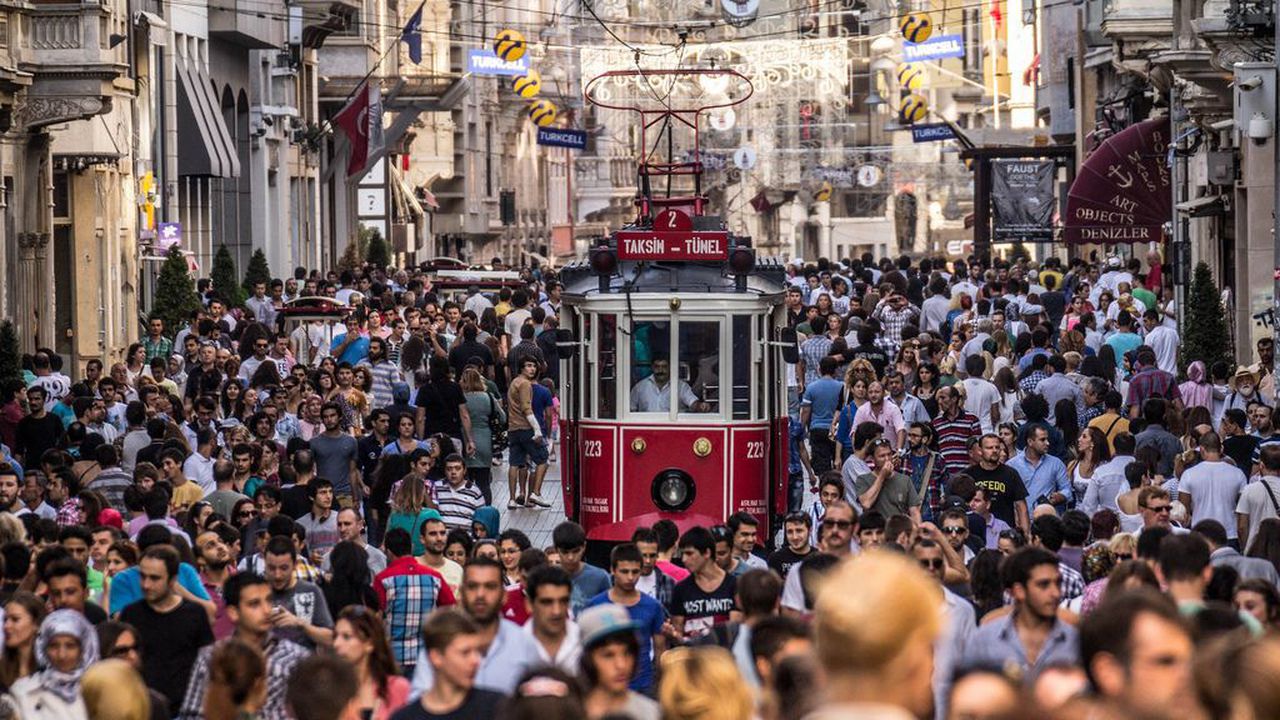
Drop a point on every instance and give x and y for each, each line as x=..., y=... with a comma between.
x=672, y=344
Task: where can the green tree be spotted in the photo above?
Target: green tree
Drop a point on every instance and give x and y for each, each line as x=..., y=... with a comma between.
x=1205, y=336
x=10, y=355
x=354, y=254
x=379, y=252
x=257, y=272
x=224, y=277
x=175, y=292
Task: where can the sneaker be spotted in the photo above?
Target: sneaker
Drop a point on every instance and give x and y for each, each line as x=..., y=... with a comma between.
x=512, y=504
x=536, y=499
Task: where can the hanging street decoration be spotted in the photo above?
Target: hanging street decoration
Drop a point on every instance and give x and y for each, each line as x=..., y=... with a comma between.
x=916, y=27
x=542, y=112
x=914, y=109
x=528, y=85
x=911, y=76
x=509, y=45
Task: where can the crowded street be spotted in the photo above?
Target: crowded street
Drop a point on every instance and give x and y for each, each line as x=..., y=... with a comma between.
x=639, y=360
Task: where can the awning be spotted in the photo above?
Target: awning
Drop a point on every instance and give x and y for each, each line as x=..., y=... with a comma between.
x=204, y=144
x=1122, y=192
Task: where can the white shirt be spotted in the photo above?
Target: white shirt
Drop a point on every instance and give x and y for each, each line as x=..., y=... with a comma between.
x=958, y=626
x=1214, y=487
x=477, y=304
x=199, y=470
x=1164, y=341
x=512, y=324
x=980, y=397
x=570, y=649
x=1256, y=504
x=646, y=396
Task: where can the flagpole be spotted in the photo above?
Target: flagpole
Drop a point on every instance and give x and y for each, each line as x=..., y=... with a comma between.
x=394, y=45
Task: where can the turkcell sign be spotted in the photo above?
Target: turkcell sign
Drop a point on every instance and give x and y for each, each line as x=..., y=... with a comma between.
x=672, y=245
x=559, y=137
x=482, y=61
x=935, y=48
x=932, y=132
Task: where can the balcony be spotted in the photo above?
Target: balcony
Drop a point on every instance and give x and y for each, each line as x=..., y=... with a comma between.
x=238, y=22
x=75, y=70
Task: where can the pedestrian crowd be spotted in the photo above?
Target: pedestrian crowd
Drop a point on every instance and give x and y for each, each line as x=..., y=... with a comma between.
x=1007, y=498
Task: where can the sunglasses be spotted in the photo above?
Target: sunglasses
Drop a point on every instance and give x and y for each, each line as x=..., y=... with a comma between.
x=841, y=524
x=955, y=530
x=932, y=563
x=122, y=650
x=1158, y=508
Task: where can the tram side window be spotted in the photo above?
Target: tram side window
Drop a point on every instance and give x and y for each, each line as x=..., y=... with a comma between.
x=699, y=366
x=608, y=379
x=650, y=366
x=741, y=367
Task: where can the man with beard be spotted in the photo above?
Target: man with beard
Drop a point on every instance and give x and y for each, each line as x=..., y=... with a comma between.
x=385, y=373
x=213, y=558
x=1031, y=636
x=835, y=533
x=435, y=536
x=1005, y=489
x=248, y=599
x=927, y=469
x=170, y=630
x=508, y=651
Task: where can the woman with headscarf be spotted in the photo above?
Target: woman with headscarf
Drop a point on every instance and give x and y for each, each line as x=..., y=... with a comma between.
x=65, y=647
x=1197, y=391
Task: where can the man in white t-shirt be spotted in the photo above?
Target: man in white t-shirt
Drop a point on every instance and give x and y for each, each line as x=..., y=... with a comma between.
x=1260, y=500
x=1211, y=488
x=1162, y=339
x=980, y=396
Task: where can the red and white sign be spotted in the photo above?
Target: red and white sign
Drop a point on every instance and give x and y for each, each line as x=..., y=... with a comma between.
x=672, y=245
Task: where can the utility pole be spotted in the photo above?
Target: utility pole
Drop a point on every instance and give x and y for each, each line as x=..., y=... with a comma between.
x=1275, y=207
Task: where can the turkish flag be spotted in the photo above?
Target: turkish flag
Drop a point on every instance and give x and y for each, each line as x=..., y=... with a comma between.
x=361, y=120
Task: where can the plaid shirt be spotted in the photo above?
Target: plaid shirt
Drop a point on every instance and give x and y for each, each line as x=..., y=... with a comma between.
x=895, y=320
x=1091, y=412
x=934, y=488
x=1150, y=383
x=161, y=348
x=408, y=592
x=282, y=657
x=812, y=351
x=1072, y=582
x=1033, y=378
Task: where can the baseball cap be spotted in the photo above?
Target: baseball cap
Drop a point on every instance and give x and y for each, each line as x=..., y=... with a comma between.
x=599, y=622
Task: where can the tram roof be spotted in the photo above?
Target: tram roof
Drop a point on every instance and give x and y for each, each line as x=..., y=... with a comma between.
x=665, y=277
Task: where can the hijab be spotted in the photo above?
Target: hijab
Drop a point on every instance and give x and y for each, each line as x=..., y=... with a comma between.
x=65, y=685
x=1197, y=390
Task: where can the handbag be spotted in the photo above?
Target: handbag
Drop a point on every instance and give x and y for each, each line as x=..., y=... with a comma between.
x=497, y=428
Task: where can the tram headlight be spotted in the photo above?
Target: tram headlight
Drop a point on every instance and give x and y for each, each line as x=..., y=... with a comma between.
x=742, y=261
x=673, y=490
x=604, y=261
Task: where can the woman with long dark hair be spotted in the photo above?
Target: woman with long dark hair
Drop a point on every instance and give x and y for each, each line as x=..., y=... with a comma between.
x=1064, y=412
x=350, y=582
x=360, y=638
x=1092, y=450
x=1266, y=542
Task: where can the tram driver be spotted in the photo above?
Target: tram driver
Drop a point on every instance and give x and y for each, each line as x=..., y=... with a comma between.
x=653, y=393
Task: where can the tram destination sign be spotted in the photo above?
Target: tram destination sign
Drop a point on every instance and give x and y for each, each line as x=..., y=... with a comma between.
x=672, y=245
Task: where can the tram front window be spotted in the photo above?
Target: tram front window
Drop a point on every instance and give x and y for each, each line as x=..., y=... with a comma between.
x=693, y=371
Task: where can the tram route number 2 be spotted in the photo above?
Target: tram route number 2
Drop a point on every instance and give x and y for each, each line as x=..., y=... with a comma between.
x=755, y=450
x=593, y=448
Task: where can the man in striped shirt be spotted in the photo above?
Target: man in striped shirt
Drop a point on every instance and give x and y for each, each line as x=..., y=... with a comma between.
x=385, y=373
x=457, y=498
x=954, y=427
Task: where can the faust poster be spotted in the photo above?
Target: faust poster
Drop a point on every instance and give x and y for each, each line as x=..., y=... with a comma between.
x=1022, y=193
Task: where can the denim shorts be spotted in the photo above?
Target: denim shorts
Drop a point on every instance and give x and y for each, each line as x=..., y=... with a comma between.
x=524, y=449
